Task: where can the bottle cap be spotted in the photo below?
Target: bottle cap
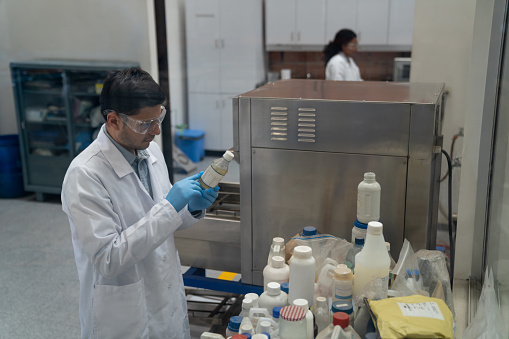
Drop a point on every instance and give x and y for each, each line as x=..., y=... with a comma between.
x=246, y=328
x=388, y=246
x=340, y=319
x=253, y=297
x=342, y=306
x=275, y=312
x=265, y=326
x=247, y=335
x=360, y=225
x=342, y=272
x=278, y=241
x=278, y=261
x=234, y=323
x=302, y=252
x=273, y=288
x=414, y=273
x=302, y=303
x=239, y=336
x=259, y=336
x=359, y=241
x=369, y=176
x=228, y=156
x=375, y=228
x=247, y=303
x=320, y=301
x=266, y=334
x=292, y=313
x=285, y=287
x=309, y=231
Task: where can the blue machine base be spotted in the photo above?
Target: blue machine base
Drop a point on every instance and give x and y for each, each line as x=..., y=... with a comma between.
x=195, y=277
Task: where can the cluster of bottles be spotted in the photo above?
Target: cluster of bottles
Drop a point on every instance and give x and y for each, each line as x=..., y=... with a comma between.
x=322, y=310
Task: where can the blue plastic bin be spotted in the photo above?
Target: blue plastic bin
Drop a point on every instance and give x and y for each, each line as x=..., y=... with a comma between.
x=11, y=176
x=191, y=142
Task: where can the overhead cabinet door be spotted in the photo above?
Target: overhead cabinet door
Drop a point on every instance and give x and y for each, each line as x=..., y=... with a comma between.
x=401, y=22
x=339, y=14
x=372, y=21
x=203, y=45
x=310, y=28
x=280, y=22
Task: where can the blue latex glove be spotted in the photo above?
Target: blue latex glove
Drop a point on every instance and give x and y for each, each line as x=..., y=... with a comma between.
x=203, y=202
x=183, y=191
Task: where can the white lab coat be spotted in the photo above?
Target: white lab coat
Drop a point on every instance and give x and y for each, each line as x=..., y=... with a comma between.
x=340, y=67
x=131, y=284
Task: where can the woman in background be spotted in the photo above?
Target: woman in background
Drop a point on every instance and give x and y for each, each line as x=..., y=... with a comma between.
x=338, y=57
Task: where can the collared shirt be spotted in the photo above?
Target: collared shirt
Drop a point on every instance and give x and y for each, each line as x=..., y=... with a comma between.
x=138, y=162
x=343, y=68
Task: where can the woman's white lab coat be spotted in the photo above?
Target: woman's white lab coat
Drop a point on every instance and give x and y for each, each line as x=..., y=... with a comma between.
x=340, y=67
x=130, y=278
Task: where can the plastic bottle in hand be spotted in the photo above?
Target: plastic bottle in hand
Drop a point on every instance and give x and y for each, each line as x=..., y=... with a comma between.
x=216, y=171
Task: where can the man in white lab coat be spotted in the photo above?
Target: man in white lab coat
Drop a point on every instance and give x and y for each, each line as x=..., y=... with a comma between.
x=123, y=213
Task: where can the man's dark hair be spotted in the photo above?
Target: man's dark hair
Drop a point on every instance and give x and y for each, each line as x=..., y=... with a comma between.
x=342, y=38
x=129, y=90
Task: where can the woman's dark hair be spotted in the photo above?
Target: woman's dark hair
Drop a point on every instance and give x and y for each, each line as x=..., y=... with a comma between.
x=129, y=90
x=342, y=37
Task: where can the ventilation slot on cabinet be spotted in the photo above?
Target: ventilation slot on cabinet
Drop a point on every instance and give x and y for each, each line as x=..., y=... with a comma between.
x=279, y=123
x=306, y=125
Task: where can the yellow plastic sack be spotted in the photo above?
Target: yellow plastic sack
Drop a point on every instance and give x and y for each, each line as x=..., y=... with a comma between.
x=415, y=316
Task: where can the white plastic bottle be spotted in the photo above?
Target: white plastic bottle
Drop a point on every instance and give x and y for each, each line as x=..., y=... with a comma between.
x=373, y=260
x=254, y=297
x=292, y=323
x=277, y=271
x=321, y=313
x=359, y=230
x=209, y=335
x=309, y=316
x=216, y=171
x=342, y=284
x=302, y=274
x=247, y=304
x=277, y=249
x=273, y=297
x=368, y=199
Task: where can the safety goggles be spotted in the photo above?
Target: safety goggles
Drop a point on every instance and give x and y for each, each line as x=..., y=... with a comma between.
x=142, y=126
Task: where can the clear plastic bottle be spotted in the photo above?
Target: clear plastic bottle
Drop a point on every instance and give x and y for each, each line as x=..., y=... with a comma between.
x=325, y=278
x=352, y=252
x=342, y=284
x=292, y=323
x=393, y=264
x=321, y=313
x=302, y=274
x=216, y=171
x=368, y=199
x=309, y=316
x=277, y=249
x=233, y=326
x=277, y=271
x=246, y=326
x=373, y=260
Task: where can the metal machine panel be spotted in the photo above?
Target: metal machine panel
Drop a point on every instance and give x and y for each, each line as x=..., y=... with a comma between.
x=298, y=188
x=331, y=126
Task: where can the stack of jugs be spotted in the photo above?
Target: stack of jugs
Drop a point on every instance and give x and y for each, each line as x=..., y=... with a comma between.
x=368, y=205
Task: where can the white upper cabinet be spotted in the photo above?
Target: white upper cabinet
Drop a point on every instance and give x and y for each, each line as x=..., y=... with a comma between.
x=372, y=22
x=379, y=24
x=294, y=22
x=339, y=14
x=401, y=22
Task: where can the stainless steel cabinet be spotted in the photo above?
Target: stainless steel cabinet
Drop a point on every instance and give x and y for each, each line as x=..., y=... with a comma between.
x=57, y=106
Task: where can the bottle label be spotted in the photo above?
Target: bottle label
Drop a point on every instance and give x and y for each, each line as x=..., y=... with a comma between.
x=422, y=310
x=343, y=292
x=211, y=178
